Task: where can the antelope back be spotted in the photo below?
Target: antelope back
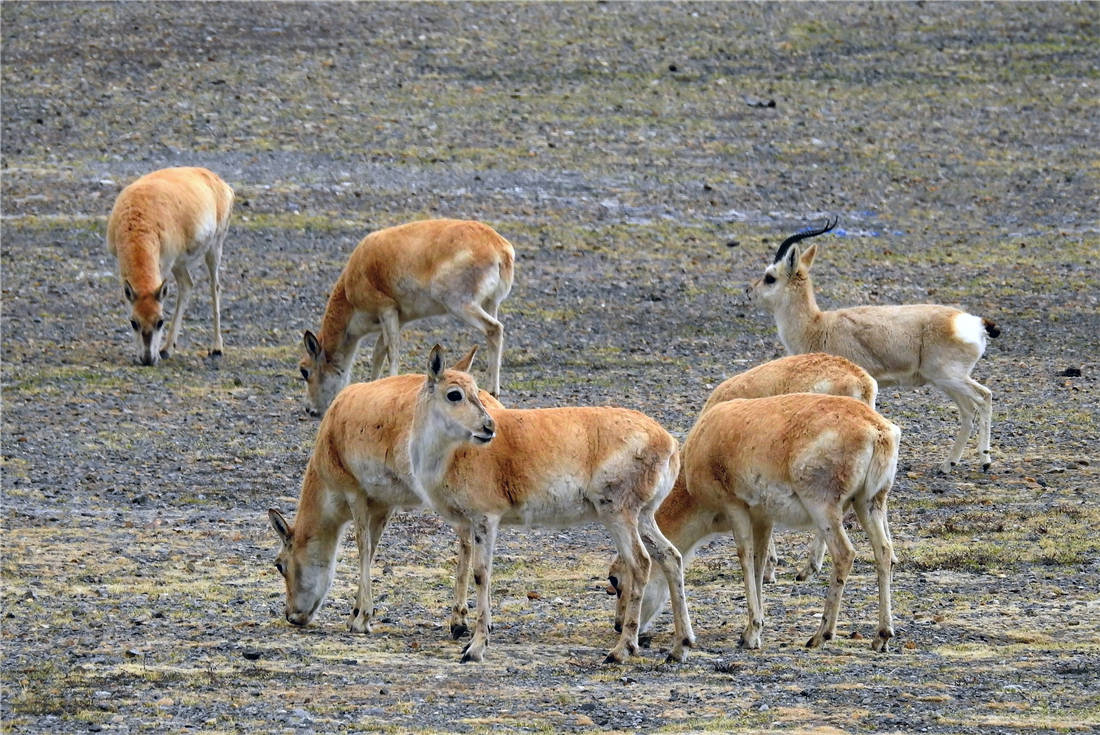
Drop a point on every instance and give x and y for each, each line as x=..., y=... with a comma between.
x=815, y=372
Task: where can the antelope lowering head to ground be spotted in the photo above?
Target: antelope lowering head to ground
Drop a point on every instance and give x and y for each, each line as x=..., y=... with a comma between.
x=907, y=345
x=810, y=373
x=553, y=466
x=796, y=460
x=358, y=473
x=164, y=222
x=403, y=273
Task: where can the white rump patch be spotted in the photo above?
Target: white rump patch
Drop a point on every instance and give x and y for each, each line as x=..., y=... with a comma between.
x=969, y=328
x=206, y=226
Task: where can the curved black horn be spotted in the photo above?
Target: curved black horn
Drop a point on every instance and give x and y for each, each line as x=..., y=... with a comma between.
x=786, y=244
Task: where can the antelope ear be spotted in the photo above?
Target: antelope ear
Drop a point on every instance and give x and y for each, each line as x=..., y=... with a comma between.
x=313, y=346
x=807, y=258
x=793, y=255
x=279, y=524
x=465, y=362
x=435, y=364
x=128, y=290
x=162, y=291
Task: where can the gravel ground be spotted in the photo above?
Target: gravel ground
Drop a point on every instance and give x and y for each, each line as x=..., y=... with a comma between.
x=644, y=159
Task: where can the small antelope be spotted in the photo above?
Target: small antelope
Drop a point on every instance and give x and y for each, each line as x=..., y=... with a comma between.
x=165, y=221
x=809, y=373
x=358, y=472
x=551, y=466
x=907, y=345
x=795, y=460
x=400, y=274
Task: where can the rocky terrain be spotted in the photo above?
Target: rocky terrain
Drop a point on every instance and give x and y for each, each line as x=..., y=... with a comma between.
x=645, y=160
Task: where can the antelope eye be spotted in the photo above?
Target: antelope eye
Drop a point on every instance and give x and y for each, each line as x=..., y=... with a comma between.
x=160, y=323
x=769, y=279
x=305, y=373
x=134, y=324
x=454, y=395
x=279, y=566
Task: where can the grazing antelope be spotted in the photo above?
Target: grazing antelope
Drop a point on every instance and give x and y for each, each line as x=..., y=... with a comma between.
x=796, y=460
x=907, y=345
x=400, y=274
x=810, y=373
x=165, y=221
x=553, y=466
x=358, y=472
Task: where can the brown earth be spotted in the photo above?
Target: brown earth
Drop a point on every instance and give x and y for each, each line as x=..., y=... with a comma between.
x=645, y=159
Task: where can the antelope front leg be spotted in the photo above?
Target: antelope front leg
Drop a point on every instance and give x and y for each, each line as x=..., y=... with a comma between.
x=185, y=284
x=754, y=625
x=369, y=524
x=459, y=610
x=483, y=535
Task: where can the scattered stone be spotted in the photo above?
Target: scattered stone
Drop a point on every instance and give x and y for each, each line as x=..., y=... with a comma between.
x=252, y=654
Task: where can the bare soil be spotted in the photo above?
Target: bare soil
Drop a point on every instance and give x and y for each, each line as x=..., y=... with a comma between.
x=645, y=160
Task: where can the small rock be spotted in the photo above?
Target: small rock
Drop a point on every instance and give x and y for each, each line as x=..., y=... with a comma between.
x=733, y=244
x=252, y=654
x=856, y=635
x=1070, y=372
x=533, y=595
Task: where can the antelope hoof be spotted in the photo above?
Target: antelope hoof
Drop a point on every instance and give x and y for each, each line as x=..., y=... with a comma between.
x=986, y=466
x=645, y=640
x=216, y=352
x=615, y=656
x=165, y=354
x=359, y=623
x=676, y=656
x=473, y=652
x=947, y=467
x=458, y=630
x=881, y=642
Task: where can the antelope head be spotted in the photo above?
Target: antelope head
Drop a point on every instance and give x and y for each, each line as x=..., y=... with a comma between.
x=450, y=397
x=147, y=321
x=307, y=568
x=785, y=276
x=323, y=378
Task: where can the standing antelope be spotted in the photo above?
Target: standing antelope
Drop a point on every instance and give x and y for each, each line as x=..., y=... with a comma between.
x=358, y=472
x=907, y=345
x=400, y=274
x=165, y=221
x=814, y=372
x=795, y=460
x=551, y=466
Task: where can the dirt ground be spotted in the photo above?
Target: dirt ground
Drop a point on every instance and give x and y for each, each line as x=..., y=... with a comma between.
x=645, y=160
